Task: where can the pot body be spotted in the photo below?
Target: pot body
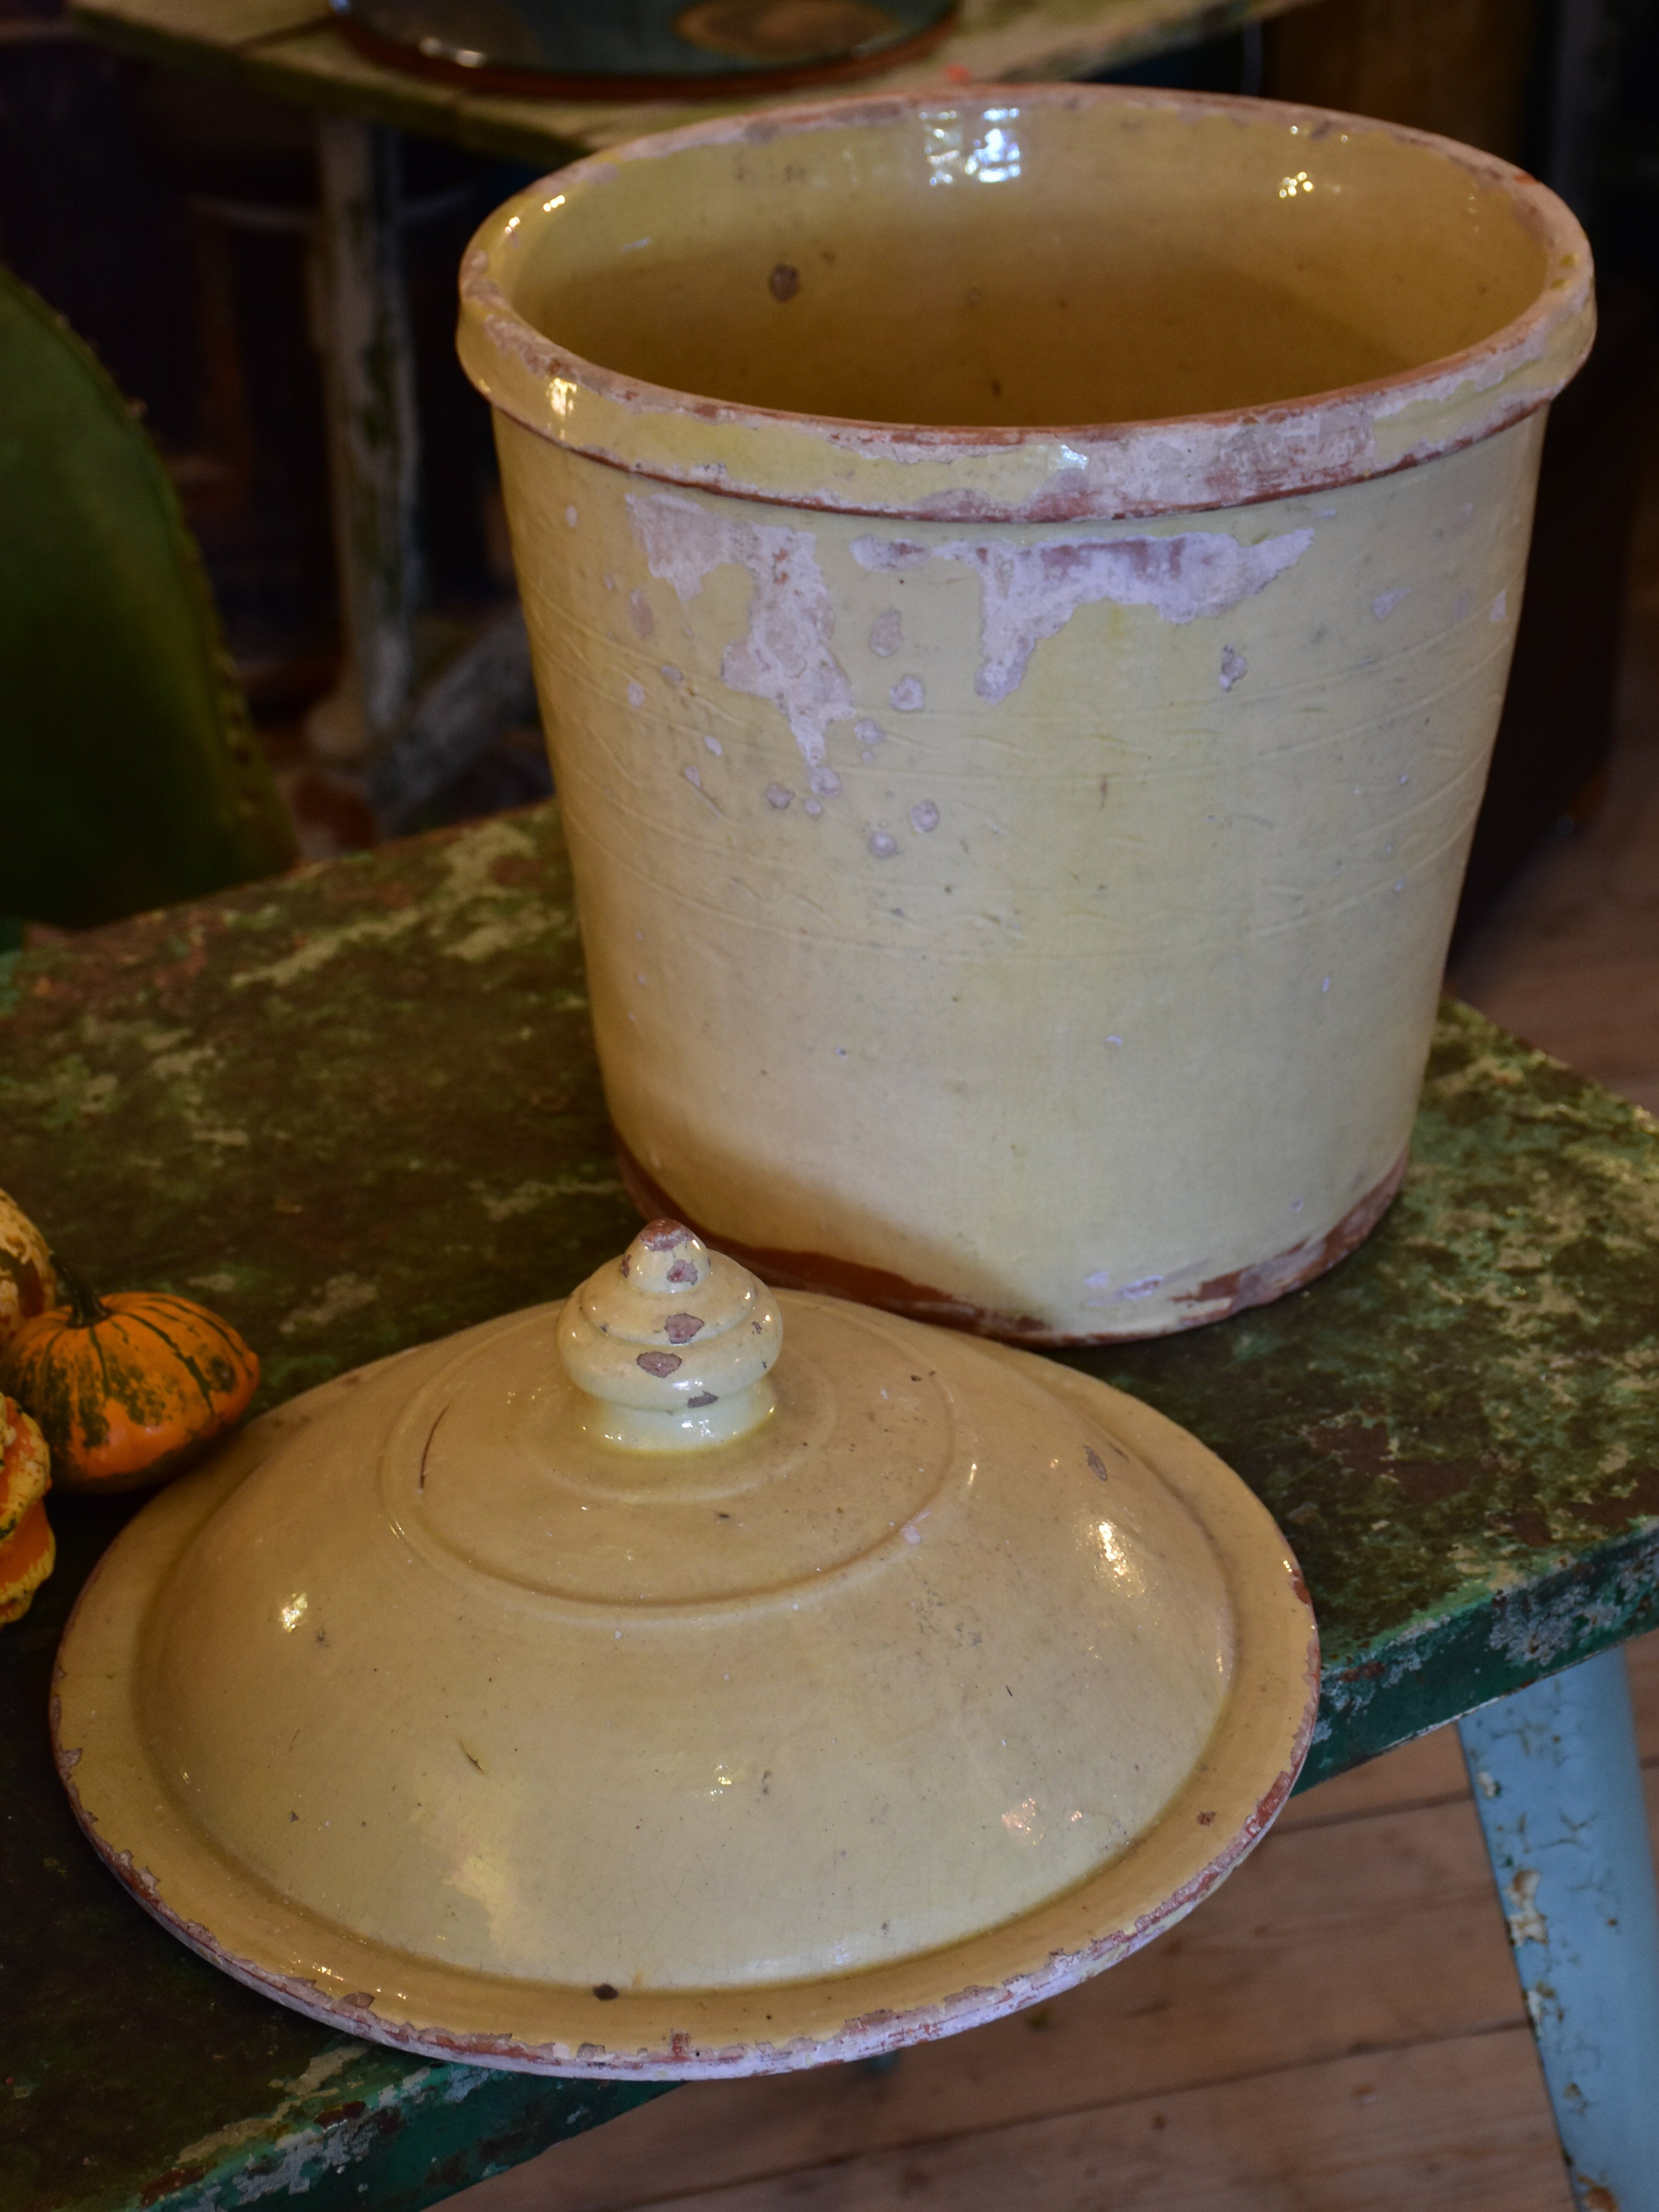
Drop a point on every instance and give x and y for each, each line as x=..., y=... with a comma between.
x=1012, y=892
x=1096, y=1007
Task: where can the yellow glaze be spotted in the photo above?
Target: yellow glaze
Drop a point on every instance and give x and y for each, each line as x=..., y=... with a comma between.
x=1022, y=591
x=428, y=1708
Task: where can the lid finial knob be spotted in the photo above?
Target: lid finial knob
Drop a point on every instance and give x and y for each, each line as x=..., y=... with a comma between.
x=674, y=1342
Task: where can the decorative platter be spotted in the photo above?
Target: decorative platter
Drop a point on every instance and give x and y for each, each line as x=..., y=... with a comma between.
x=644, y=49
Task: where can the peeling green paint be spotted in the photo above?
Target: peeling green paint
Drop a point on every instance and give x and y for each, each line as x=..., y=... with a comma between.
x=418, y=2132
x=377, y=1134
x=1459, y=1427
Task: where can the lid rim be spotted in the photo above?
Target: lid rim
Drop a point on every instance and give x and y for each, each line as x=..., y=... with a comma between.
x=684, y=2058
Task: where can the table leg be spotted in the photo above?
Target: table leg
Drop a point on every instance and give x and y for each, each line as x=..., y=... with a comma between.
x=373, y=438
x=1559, y=1788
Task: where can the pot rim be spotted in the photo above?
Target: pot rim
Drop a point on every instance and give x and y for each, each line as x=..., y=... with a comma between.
x=1047, y=473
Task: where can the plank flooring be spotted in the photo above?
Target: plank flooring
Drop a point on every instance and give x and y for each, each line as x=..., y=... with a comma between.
x=1338, y=2028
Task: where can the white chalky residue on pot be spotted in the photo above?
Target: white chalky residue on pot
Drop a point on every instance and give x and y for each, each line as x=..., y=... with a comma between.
x=924, y=816
x=570, y=517
x=636, y=694
x=1500, y=608
x=785, y=656
x=778, y=795
x=1030, y=592
x=639, y=609
x=1233, y=667
x=887, y=632
x=1385, y=602
x=883, y=845
x=825, y=783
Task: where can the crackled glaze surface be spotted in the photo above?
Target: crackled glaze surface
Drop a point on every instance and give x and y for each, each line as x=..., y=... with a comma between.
x=1016, y=859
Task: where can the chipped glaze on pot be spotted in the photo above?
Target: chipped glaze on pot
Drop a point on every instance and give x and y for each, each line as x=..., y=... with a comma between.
x=1022, y=592
x=430, y=1710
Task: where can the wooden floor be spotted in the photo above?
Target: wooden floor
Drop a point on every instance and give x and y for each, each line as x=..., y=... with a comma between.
x=1338, y=2029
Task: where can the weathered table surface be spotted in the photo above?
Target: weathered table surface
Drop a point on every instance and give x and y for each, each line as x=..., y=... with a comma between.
x=359, y=1106
x=291, y=49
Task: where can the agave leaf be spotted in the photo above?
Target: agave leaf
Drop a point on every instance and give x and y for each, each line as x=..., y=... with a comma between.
x=130, y=775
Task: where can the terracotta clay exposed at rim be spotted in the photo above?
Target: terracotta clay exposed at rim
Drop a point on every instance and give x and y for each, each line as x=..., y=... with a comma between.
x=1221, y=1295
x=1100, y=471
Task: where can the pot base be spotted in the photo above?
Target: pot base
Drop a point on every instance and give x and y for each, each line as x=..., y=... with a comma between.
x=1257, y=1284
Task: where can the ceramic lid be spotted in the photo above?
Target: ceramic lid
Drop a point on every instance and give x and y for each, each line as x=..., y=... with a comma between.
x=689, y=1678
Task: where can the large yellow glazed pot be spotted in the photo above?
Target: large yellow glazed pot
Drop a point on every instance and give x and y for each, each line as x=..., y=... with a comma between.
x=1021, y=591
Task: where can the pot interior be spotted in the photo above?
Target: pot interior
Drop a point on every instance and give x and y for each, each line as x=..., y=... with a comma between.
x=1071, y=259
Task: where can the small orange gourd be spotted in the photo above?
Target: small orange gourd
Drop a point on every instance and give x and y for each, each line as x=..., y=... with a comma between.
x=27, y=1284
x=130, y=1389
x=28, y=1550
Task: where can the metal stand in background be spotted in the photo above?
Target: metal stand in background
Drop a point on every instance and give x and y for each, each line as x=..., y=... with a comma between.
x=1559, y=1788
x=363, y=331
x=371, y=725
x=485, y=691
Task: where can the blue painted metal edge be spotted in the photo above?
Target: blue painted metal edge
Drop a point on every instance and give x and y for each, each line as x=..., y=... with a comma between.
x=1558, y=1785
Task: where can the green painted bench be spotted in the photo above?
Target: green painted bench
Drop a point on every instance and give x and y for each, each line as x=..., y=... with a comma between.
x=358, y=1107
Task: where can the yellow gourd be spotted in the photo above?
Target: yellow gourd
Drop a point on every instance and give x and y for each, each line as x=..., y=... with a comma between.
x=28, y=1283
x=27, y=1549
